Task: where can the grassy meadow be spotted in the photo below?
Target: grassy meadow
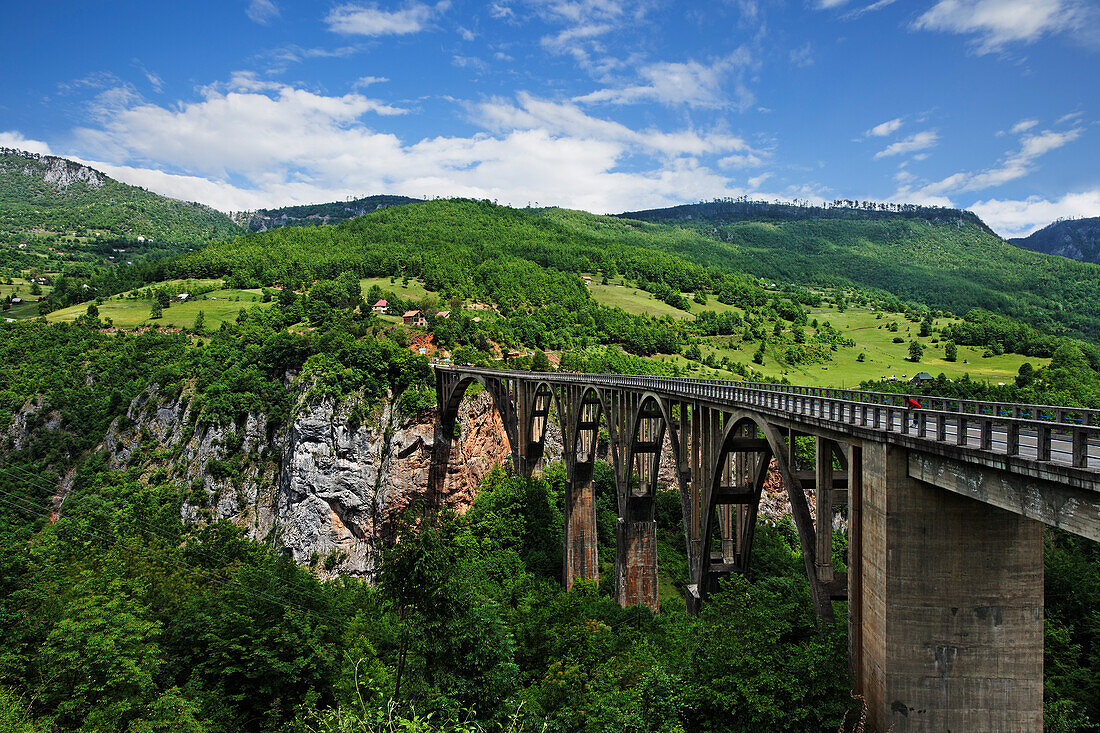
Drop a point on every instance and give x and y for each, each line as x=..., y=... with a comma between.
x=217, y=306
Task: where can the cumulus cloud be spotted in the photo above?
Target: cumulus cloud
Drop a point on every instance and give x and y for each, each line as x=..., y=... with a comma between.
x=885, y=129
x=913, y=143
x=529, y=112
x=262, y=11
x=371, y=20
x=997, y=23
x=14, y=139
x=1019, y=218
x=250, y=142
x=689, y=83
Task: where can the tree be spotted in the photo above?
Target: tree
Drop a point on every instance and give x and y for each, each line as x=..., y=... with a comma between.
x=163, y=298
x=862, y=357
x=916, y=351
x=540, y=362
x=951, y=351
x=36, y=289
x=200, y=323
x=1026, y=375
x=93, y=311
x=157, y=310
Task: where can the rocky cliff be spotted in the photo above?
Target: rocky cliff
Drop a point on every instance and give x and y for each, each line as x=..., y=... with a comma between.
x=327, y=488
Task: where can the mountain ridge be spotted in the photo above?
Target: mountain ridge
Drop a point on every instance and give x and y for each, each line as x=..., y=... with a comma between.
x=1077, y=239
x=58, y=195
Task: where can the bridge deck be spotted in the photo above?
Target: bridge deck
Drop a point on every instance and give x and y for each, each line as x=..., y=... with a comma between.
x=1040, y=441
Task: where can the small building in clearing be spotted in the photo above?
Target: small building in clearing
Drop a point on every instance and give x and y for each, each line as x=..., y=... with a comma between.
x=380, y=306
x=413, y=318
x=444, y=314
x=921, y=378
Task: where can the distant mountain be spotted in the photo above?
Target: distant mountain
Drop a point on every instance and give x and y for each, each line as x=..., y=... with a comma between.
x=46, y=194
x=731, y=211
x=309, y=215
x=945, y=258
x=1077, y=239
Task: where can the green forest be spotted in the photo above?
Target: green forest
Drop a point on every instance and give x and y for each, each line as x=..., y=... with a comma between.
x=116, y=615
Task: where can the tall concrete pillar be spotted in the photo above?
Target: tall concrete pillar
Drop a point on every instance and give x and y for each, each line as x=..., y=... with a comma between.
x=951, y=606
x=581, y=559
x=636, y=555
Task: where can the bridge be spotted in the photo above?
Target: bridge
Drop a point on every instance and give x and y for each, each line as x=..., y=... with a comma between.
x=944, y=508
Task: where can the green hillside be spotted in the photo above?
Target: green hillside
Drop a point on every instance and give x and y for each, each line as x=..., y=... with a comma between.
x=51, y=197
x=947, y=262
x=941, y=257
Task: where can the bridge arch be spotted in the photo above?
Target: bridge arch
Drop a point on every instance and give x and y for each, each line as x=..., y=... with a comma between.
x=648, y=423
x=534, y=403
x=773, y=447
x=451, y=388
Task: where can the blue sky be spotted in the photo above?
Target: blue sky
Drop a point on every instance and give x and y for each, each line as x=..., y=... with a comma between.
x=603, y=105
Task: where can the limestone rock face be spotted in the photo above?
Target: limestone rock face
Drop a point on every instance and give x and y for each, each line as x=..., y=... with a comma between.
x=328, y=487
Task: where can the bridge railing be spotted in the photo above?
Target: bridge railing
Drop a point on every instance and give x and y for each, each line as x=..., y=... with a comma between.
x=1051, y=434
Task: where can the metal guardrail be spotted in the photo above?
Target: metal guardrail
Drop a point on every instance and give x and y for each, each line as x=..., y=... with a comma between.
x=1066, y=436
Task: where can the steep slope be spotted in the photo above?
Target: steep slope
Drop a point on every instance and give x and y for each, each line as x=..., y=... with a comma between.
x=316, y=214
x=46, y=194
x=1077, y=239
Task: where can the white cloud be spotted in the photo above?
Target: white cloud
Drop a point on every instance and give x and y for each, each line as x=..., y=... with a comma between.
x=827, y=4
x=682, y=83
x=885, y=129
x=879, y=5
x=248, y=143
x=370, y=20
x=997, y=23
x=1023, y=126
x=1018, y=218
x=152, y=77
x=913, y=143
x=1013, y=166
x=756, y=181
x=366, y=81
x=13, y=139
x=567, y=119
x=803, y=56
x=262, y=11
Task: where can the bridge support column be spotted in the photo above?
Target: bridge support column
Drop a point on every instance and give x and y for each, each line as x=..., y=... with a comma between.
x=581, y=559
x=950, y=597
x=636, y=555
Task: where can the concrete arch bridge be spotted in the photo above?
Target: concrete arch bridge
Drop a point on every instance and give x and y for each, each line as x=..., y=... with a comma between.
x=944, y=504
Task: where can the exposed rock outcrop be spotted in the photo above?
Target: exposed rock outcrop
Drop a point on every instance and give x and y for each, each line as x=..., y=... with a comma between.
x=327, y=487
